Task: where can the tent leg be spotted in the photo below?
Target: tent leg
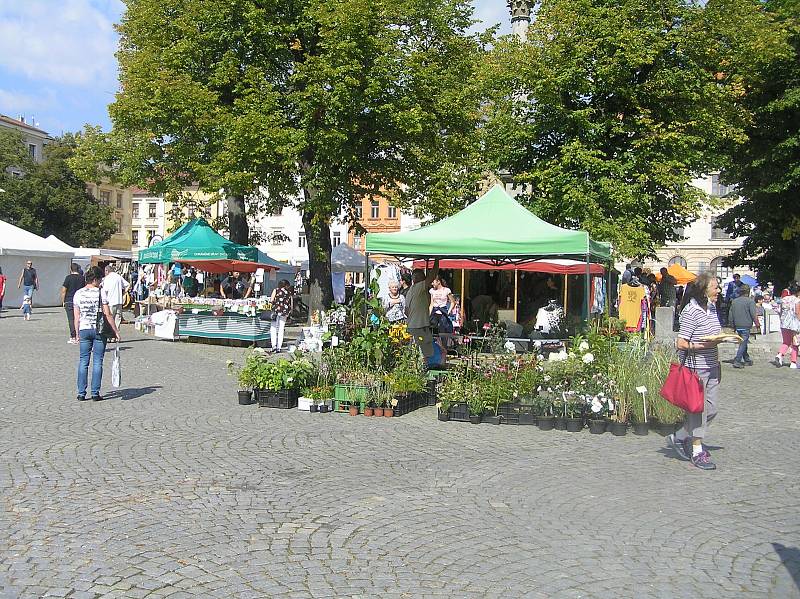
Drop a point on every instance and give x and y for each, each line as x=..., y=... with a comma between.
x=366, y=283
x=463, y=314
x=516, y=295
x=608, y=290
x=566, y=285
x=586, y=294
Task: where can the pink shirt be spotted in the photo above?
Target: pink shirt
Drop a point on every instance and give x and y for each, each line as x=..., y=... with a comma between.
x=439, y=296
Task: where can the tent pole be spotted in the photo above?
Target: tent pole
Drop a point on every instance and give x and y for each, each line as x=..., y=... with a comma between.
x=586, y=294
x=608, y=289
x=463, y=315
x=366, y=279
x=516, y=295
x=566, y=285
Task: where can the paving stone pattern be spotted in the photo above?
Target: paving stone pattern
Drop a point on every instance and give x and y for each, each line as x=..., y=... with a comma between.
x=170, y=489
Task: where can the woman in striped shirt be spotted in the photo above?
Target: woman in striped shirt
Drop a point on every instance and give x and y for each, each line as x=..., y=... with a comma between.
x=699, y=320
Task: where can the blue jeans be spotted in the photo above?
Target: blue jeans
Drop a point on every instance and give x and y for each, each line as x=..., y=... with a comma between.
x=94, y=344
x=741, y=353
x=29, y=291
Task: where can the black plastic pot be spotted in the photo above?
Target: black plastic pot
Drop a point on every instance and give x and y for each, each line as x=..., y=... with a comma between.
x=619, y=429
x=545, y=423
x=444, y=416
x=574, y=425
x=597, y=427
x=560, y=423
x=313, y=408
x=641, y=428
x=475, y=419
x=491, y=419
x=667, y=429
x=245, y=398
x=323, y=408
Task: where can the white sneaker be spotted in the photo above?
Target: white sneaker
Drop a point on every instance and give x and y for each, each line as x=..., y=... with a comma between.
x=793, y=365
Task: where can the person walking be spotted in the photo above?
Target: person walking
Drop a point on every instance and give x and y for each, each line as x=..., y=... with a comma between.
x=697, y=322
x=790, y=325
x=418, y=309
x=29, y=279
x=114, y=286
x=741, y=318
x=88, y=302
x=26, y=307
x=72, y=283
x=2, y=289
x=281, y=302
x=666, y=290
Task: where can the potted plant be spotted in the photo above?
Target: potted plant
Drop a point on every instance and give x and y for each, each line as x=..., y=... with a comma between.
x=245, y=378
x=443, y=408
x=476, y=405
x=279, y=382
x=543, y=411
x=573, y=404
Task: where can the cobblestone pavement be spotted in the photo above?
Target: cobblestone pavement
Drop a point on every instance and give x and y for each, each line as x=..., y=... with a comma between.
x=170, y=489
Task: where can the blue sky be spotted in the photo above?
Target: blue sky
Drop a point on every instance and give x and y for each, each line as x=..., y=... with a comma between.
x=57, y=64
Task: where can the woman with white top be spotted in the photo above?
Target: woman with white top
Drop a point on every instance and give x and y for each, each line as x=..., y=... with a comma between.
x=87, y=304
x=395, y=304
x=790, y=325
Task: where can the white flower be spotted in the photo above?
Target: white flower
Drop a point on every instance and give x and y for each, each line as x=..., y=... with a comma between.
x=537, y=344
x=596, y=405
x=583, y=346
x=588, y=358
x=510, y=347
x=641, y=389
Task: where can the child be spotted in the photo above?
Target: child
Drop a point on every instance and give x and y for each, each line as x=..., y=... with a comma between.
x=26, y=307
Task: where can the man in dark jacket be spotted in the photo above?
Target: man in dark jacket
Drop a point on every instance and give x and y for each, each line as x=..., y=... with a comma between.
x=741, y=318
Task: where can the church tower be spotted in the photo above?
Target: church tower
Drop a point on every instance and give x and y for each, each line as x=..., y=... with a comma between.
x=520, y=17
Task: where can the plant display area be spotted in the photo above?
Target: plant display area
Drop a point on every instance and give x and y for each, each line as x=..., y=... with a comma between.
x=371, y=367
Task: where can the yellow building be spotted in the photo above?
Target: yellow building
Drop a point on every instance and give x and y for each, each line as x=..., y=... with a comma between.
x=195, y=204
x=119, y=200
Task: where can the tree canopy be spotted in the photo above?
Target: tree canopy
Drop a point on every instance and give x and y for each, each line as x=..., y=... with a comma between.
x=315, y=103
x=49, y=198
x=611, y=109
x=766, y=169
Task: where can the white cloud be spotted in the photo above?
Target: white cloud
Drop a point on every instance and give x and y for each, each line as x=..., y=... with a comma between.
x=13, y=103
x=60, y=41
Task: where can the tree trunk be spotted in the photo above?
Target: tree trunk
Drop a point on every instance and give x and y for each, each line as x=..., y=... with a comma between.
x=318, y=241
x=237, y=221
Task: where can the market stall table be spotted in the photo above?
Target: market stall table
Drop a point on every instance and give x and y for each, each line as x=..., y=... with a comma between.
x=228, y=326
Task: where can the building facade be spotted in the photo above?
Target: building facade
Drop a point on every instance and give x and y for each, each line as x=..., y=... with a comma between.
x=35, y=139
x=147, y=218
x=119, y=200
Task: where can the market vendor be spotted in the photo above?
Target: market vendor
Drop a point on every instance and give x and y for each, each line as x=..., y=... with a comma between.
x=418, y=308
x=235, y=286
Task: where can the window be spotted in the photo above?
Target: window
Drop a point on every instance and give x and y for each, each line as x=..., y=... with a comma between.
x=374, y=209
x=119, y=223
x=135, y=210
x=392, y=211
x=32, y=150
x=151, y=211
x=357, y=242
x=105, y=198
x=679, y=260
x=718, y=189
x=277, y=211
x=276, y=236
x=134, y=237
x=717, y=233
x=358, y=212
x=150, y=234
x=723, y=272
x=301, y=239
x=680, y=232
x=337, y=239
x=119, y=200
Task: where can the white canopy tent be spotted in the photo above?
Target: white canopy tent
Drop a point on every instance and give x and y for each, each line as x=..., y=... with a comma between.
x=17, y=246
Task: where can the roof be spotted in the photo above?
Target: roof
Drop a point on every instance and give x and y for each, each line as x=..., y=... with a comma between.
x=344, y=258
x=17, y=241
x=17, y=123
x=494, y=228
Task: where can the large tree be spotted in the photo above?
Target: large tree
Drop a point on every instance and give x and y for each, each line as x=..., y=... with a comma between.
x=612, y=108
x=315, y=103
x=49, y=198
x=766, y=169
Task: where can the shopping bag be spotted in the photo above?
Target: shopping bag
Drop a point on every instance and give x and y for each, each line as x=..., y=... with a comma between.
x=684, y=389
x=116, y=371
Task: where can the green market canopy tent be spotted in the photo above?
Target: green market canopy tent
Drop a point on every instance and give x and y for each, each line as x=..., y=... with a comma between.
x=197, y=244
x=494, y=229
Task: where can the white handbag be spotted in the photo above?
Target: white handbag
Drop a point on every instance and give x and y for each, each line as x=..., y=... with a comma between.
x=116, y=370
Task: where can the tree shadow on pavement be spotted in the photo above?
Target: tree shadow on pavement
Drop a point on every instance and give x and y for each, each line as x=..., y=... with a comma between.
x=790, y=556
x=133, y=393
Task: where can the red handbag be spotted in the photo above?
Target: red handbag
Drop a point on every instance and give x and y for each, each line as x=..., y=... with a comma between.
x=684, y=389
